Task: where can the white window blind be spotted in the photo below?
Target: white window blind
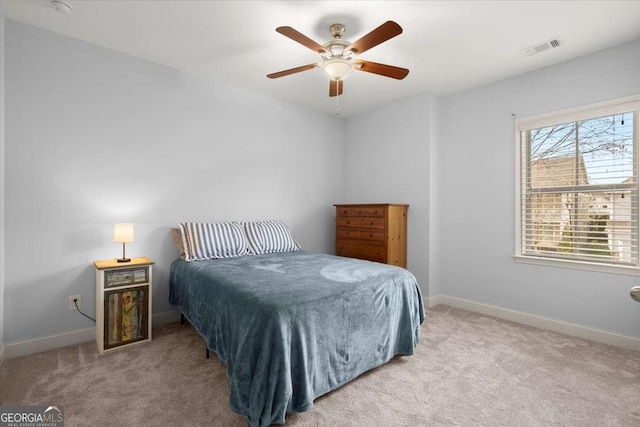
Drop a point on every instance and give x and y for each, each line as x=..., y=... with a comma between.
x=579, y=186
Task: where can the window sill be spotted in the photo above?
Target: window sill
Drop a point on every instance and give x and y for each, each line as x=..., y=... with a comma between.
x=579, y=265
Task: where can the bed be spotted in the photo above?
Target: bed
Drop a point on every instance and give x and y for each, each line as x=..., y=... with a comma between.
x=294, y=325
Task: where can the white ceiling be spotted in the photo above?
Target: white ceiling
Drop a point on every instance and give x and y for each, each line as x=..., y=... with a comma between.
x=449, y=46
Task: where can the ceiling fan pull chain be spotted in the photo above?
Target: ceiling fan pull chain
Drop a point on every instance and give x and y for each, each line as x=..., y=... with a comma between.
x=338, y=104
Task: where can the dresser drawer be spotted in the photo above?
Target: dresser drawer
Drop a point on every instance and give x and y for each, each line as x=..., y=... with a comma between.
x=356, y=233
x=361, y=222
x=360, y=211
x=126, y=277
x=363, y=249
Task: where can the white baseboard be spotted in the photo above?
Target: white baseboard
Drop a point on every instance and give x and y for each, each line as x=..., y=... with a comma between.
x=592, y=334
x=36, y=345
x=165, y=317
x=434, y=300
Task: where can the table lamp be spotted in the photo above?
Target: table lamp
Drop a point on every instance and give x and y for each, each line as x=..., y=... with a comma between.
x=123, y=233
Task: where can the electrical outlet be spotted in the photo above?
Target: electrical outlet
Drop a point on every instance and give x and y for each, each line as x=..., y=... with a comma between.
x=72, y=305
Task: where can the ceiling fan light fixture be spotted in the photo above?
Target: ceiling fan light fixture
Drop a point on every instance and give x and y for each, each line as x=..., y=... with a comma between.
x=337, y=69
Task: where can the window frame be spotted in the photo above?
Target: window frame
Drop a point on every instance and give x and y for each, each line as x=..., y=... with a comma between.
x=614, y=106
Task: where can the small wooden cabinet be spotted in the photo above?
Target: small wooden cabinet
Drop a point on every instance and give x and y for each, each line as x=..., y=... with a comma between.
x=375, y=232
x=123, y=303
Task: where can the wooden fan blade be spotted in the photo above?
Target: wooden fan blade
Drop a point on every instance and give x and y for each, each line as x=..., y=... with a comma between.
x=381, y=69
x=335, y=87
x=384, y=32
x=301, y=38
x=292, y=71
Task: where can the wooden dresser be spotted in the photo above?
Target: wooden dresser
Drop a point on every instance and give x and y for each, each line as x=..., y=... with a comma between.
x=376, y=232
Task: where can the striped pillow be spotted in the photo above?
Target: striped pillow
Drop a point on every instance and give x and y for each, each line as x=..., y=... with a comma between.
x=266, y=237
x=212, y=240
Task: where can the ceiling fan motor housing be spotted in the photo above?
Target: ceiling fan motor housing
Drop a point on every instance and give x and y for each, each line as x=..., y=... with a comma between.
x=337, y=62
x=338, y=47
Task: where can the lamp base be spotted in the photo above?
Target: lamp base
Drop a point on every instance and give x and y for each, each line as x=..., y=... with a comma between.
x=123, y=259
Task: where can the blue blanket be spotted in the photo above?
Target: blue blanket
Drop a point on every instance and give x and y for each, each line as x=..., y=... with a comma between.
x=293, y=326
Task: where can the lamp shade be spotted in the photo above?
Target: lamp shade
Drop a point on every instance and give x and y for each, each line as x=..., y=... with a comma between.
x=337, y=69
x=123, y=233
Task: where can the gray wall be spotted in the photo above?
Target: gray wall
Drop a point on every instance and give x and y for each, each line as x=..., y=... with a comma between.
x=387, y=161
x=95, y=137
x=477, y=155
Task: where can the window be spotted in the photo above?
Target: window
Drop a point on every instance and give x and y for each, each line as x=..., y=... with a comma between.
x=578, y=186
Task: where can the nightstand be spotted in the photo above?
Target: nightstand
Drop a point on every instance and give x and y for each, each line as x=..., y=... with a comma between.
x=123, y=303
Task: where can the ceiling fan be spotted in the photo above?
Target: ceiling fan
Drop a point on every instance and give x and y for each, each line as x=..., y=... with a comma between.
x=340, y=57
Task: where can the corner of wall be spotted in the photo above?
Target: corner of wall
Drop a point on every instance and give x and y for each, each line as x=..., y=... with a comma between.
x=2, y=179
x=435, y=184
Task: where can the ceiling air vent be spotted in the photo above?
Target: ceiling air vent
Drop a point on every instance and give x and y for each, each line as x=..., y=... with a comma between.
x=541, y=47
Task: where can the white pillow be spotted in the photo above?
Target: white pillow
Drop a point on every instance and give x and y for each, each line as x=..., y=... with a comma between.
x=266, y=237
x=177, y=237
x=213, y=240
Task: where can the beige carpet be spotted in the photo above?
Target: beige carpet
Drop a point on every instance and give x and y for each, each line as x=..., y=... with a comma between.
x=469, y=370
